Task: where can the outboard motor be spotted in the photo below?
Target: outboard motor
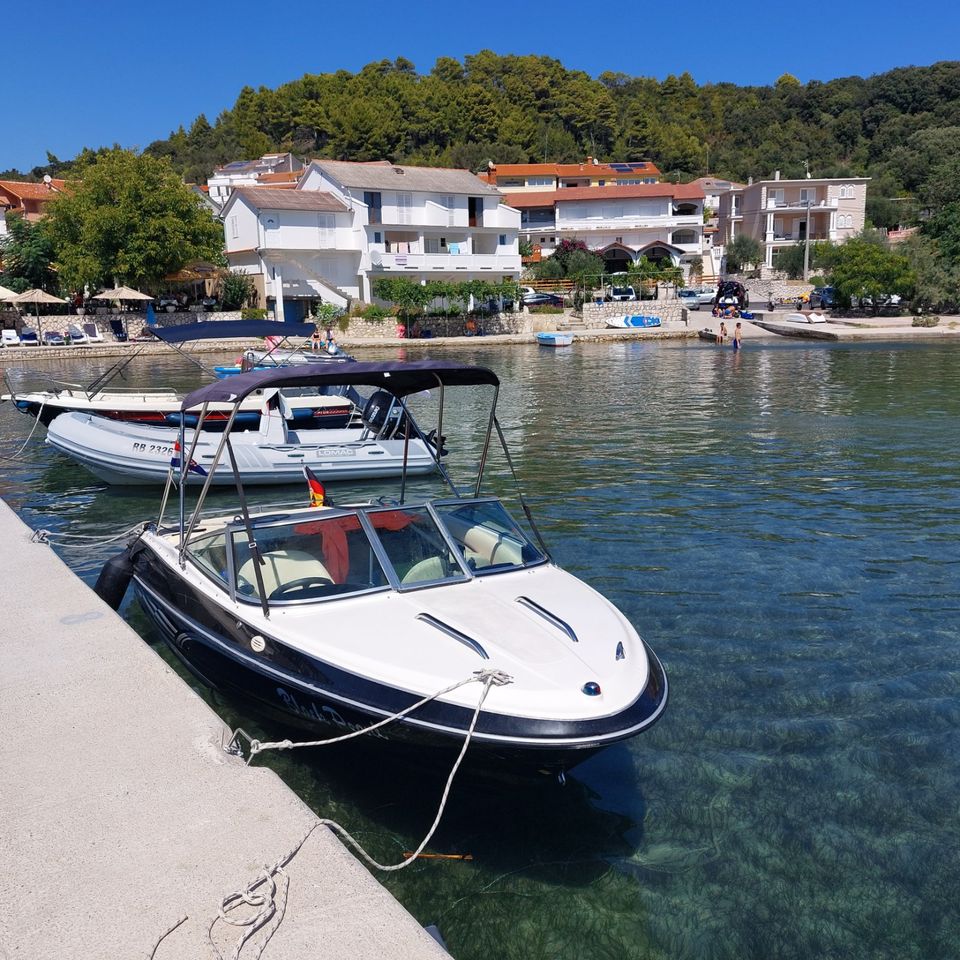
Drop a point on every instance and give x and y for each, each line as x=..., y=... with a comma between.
x=381, y=407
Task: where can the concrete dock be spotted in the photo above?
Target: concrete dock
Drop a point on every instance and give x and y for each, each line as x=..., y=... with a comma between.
x=120, y=813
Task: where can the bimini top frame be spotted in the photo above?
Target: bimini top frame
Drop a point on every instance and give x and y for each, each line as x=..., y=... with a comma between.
x=401, y=379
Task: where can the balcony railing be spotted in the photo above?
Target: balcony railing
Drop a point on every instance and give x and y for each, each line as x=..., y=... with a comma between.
x=827, y=204
x=447, y=262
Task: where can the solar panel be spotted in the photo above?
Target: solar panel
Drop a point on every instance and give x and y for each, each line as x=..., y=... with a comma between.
x=621, y=167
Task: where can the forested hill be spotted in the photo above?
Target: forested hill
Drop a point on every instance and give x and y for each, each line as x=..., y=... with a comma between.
x=894, y=126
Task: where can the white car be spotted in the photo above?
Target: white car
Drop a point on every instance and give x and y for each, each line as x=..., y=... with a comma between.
x=623, y=293
x=693, y=298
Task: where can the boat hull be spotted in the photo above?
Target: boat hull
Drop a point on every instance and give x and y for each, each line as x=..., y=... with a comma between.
x=633, y=322
x=326, y=701
x=165, y=411
x=555, y=339
x=131, y=454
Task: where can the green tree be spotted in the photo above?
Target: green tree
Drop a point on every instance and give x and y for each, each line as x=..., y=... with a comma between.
x=27, y=256
x=129, y=220
x=743, y=251
x=860, y=268
x=237, y=290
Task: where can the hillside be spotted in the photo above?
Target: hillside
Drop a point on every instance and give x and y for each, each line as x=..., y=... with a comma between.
x=895, y=127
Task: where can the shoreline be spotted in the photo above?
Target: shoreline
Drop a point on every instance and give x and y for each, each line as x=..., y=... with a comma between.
x=891, y=329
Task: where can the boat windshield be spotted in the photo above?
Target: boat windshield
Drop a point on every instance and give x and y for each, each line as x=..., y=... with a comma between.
x=329, y=556
x=310, y=559
x=487, y=536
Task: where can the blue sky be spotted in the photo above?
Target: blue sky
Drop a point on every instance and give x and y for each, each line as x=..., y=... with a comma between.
x=87, y=74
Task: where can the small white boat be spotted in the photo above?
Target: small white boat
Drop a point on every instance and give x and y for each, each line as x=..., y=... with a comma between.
x=130, y=453
x=160, y=406
x=554, y=339
x=632, y=321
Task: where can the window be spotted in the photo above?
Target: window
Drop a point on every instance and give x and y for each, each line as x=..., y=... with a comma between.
x=686, y=237
x=326, y=228
x=374, y=206
x=503, y=240
x=618, y=239
x=308, y=560
x=234, y=228
x=450, y=203
x=488, y=538
x=777, y=198
x=539, y=181
x=431, y=245
x=404, y=207
x=808, y=196
x=602, y=183
x=415, y=547
x=377, y=237
x=846, y=191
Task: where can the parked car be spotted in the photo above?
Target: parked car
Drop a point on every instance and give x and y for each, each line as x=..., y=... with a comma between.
x=694, y=298
x=170, y=304
x=53, y=338
x=884, y=300
x=622, y=293
x=823, y=297
x=10, y=338
x=542, y=299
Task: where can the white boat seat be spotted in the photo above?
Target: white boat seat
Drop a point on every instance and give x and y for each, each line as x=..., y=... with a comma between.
x=281, y=567
x=485, y=547
x=430, y=568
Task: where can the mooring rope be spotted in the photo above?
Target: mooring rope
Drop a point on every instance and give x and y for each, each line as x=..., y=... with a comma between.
x=16, y=457
x=269, y=905
x=59, y=536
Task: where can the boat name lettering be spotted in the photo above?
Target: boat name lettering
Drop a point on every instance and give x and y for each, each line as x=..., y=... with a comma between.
x=162, y=448
x=324, y=715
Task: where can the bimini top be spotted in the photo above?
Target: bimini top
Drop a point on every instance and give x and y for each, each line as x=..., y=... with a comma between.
x=227, y=329
x=399, y=377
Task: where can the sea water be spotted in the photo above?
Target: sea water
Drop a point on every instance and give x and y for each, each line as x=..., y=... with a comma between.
x=782, y=525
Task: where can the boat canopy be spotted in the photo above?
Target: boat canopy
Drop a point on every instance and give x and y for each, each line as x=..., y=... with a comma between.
x=228, y=329
x=398, y=377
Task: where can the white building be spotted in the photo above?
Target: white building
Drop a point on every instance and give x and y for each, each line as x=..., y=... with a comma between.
x=776, y=212
x=348, y=223
x=656, y=220
x=270, y=170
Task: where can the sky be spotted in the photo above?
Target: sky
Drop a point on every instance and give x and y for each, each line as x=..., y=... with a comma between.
x=82, y=73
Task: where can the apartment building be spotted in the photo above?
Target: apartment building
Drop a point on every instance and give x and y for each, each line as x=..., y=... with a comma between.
x=520, y=177
x=781, y=213
x=620, y=223
x=346, y=224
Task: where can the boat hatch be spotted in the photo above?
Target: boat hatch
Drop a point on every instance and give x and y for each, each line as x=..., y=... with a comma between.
x=332, y=553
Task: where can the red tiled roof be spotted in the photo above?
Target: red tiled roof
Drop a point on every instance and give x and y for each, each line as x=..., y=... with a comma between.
x=22, y=190
x=547, y=198
x=569, y=170
x=283, y=177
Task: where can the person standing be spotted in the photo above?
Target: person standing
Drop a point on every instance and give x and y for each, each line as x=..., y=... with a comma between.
x=315, y=339
x=722, y=335
x=737, y=336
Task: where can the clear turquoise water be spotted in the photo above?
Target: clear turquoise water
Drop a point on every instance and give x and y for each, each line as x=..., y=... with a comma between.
x=783, y=526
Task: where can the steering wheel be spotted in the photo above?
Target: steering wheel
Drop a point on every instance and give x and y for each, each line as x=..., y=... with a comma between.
x=304, y=583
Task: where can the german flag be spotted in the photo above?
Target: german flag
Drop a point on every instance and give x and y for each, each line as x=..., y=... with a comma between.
x=318, y=495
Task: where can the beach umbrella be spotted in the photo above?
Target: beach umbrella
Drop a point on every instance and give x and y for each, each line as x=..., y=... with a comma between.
x=36, y=297
x=126, y=294
x=7, y=294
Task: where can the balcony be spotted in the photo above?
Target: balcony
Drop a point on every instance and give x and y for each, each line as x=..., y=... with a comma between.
x=443, y=262
x=800, y=206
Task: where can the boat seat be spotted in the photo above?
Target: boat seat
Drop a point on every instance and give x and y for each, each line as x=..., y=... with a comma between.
x=486, y=547
x=280, y=567
x=431, y=568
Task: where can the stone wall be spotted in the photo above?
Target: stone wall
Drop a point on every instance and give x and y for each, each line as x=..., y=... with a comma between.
x=595, y=315
x=437, y=326
x=780, y=289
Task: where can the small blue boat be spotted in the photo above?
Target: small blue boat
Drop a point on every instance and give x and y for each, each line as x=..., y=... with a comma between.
x=554, y=339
